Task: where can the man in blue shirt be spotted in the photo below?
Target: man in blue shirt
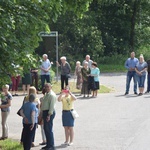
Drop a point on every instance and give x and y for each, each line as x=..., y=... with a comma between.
x=130, y=65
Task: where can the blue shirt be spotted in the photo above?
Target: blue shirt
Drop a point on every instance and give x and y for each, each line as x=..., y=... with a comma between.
x=95, y=72
x=28, y=107
x=131, y=63
x=140, y=67
x=45, y=64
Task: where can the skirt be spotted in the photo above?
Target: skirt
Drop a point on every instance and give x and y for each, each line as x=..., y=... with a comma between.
x=67, y=119
x=97, y=87
x=26, y=79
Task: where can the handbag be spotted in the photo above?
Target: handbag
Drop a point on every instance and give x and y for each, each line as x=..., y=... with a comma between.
x=74, y=114
x=68, y=75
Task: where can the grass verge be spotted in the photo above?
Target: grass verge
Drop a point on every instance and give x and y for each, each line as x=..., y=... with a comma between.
x=10, y=144
x=56, y=88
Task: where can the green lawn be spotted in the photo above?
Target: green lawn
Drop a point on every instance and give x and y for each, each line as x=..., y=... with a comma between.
x=10, y=144
x=56, y=88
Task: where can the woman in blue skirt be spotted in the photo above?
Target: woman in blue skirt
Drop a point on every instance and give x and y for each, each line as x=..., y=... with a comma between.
x=67, y=99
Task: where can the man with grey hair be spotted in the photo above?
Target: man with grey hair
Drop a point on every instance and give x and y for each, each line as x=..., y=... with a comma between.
x=45, y=70
x=87, y=59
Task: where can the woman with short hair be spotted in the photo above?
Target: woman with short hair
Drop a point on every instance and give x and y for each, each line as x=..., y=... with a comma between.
x=65, y=71
x=29, y=112
x=79, y=75
x=95, y=75
x=85, y=71
x=6, y=98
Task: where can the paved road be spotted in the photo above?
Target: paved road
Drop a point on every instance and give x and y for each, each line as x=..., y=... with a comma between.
x=109, y=122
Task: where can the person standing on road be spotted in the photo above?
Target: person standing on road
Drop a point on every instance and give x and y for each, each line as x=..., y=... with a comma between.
x=45, y=70
x=87, y=59
x=48, y=114
x=32, y=90
x=148, y=76
x=79, y=75
x=65, y=71
x=29, y=112
x=67, y=99
x=140, y=69
x=95, y=75
x=85, y=71
x=6, y=98
x=130, y=65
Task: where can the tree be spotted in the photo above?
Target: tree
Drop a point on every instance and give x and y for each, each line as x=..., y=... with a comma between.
x=20, y=23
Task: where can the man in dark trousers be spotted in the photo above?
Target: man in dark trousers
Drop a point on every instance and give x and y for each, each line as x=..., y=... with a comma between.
x=148, y=76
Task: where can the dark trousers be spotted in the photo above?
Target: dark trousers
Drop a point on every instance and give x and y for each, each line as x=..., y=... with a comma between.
x=48, y=129
x=28, y=136
x=64, y=79
x=45, y=78
x=148, y=82
x=35, y=80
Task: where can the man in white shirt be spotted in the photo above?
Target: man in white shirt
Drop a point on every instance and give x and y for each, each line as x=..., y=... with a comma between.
x=87, y=59
x=45, y=70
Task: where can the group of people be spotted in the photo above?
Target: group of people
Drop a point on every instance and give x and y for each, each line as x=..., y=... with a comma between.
x=42, y=111
x=137, y=69
x=87, y=77
x=31, y=77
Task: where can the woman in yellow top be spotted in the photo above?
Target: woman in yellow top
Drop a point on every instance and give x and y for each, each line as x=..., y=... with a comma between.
x=67, y=99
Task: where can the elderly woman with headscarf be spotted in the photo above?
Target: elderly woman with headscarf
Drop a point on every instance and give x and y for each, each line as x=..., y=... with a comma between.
x=85, y=71
x=79, y=75
x=65, y=71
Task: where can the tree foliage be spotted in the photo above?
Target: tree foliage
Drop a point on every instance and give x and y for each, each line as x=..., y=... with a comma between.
x=20, y=23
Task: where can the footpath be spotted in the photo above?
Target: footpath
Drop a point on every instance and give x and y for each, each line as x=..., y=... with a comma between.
x=111, y=121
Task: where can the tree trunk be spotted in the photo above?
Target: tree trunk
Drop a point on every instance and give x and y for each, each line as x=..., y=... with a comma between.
x=133, y=23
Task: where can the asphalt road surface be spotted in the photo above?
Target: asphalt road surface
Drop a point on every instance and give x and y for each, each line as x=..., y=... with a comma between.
x=111, y=121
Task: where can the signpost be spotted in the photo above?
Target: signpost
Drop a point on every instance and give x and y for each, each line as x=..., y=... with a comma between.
x=52, y=34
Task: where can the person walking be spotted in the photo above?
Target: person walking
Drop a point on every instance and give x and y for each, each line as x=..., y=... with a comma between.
x=67, y=99
x=65, y=71
x=130, y=66
x=29, y=112
x=141, y=69
x=6, y=98
x=148, y=76
x=48, y=114
x=45, y=70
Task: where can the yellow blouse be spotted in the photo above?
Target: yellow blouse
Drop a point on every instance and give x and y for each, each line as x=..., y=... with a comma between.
x=67, y=103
